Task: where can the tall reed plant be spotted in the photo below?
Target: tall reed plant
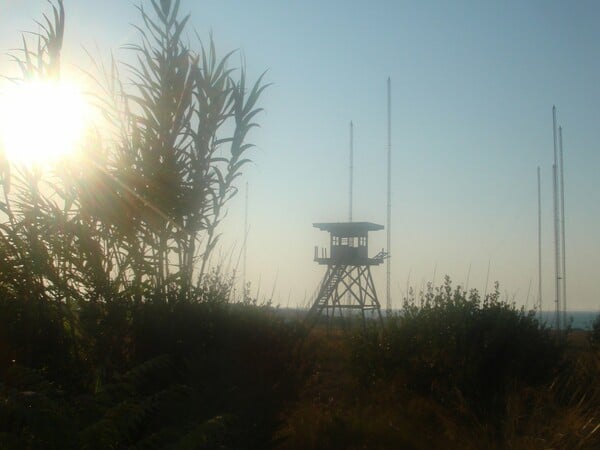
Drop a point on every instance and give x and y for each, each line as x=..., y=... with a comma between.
x=136, y=215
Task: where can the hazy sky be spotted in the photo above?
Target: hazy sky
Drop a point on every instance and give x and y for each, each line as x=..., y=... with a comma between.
x=473, y=84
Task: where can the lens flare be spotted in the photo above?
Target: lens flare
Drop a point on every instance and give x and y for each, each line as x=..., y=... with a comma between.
x=41, y=121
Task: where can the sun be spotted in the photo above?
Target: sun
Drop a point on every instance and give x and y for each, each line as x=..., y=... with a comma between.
x=41, y=121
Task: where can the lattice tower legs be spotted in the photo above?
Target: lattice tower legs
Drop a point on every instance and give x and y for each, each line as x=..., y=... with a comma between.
x=345, y=288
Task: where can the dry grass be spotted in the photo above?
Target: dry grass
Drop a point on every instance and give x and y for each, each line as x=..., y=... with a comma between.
x=334, y=410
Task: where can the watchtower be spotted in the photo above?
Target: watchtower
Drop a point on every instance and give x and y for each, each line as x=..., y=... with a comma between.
x=348, y=284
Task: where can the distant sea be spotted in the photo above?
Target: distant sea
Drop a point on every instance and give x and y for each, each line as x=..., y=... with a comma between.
x=579, y=320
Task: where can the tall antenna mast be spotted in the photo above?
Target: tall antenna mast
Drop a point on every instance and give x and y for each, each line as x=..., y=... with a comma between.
x=556, y=220
x=388, y=302
x=539, y=186
x=245, y=245
x=351, y=169
x=562, y=229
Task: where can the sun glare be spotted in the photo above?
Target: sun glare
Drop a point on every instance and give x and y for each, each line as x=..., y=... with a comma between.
x=41, y=121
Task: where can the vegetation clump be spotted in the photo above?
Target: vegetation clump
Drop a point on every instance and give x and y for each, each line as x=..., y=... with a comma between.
x=135, y=213
x=114, y=332
x=452, y=343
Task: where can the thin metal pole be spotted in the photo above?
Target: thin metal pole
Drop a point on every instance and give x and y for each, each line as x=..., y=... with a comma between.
x=487, y=278
x=556, y=219
x=556, y=246
x=245, y=245
x=351, y=170
x=528, y=292
x=539, y=186
x=467, y=282
x=562, y=229
x=389, y=194
x=348, y=296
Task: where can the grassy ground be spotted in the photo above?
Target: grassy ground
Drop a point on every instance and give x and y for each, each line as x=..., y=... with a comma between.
x=203, y=376
x=336, y=410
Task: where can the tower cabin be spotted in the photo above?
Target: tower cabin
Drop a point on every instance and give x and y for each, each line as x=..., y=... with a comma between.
x=348, y=244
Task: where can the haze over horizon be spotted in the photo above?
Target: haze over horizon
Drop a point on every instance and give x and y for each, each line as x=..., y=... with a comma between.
x=473, y=87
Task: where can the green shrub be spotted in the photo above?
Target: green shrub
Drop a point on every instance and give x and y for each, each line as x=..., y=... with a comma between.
x=190, y=375
x=455, y=346
x=33, y=334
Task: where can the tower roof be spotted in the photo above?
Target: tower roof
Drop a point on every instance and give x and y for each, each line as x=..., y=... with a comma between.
x=348, y=229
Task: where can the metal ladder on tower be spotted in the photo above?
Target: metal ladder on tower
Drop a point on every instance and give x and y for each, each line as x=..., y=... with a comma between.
x=327, y=288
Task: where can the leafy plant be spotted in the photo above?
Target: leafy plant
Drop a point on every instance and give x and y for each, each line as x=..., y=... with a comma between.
x=138, y=213
x=96, y=250
x=455, y=346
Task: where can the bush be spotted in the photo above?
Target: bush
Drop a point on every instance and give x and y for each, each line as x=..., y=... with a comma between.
x=33, y=334
x=455, y=346
x=190, y=375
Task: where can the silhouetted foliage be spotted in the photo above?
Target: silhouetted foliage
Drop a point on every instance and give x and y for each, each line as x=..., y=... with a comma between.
x=136, y=215
x=114, y=330
x=197, y=376
x=453, y=345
